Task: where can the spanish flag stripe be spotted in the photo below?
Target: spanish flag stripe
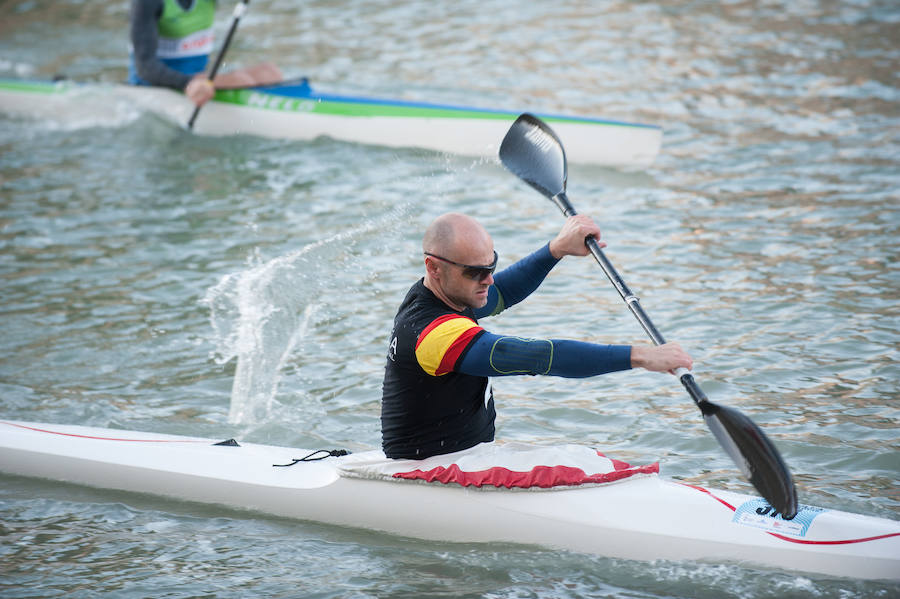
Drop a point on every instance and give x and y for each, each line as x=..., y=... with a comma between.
x=440, y=337
x=455, y=350
x=436, y=323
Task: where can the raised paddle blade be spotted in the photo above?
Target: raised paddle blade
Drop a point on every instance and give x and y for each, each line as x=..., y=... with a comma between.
x=755, y=455
x=533, y=153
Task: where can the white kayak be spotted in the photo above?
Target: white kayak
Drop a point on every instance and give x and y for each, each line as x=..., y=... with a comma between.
x=641, y=517
x=294, y=110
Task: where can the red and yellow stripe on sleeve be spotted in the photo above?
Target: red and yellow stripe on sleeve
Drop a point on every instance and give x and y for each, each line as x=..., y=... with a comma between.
x=443, y=341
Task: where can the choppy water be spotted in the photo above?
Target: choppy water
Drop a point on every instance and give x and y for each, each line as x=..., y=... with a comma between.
x=138, y=263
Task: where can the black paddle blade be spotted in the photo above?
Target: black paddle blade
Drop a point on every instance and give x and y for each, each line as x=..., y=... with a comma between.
x=533, y=152
x=755, y=456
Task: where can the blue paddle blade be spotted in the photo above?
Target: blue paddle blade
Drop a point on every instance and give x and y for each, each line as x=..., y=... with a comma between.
x=532, y=152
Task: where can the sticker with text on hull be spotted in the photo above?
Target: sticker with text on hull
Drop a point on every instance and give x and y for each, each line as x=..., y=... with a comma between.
x=759, y=514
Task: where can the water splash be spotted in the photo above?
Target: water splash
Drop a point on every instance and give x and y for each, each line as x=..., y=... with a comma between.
x=257, y=375
x=259, y=316
x=262, y=315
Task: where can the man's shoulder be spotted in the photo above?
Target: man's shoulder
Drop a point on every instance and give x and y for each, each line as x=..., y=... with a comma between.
x=146, y=12
x=419, y=298
x=148, y=4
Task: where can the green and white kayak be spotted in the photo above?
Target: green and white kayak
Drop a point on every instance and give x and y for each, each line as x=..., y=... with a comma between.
x=293, y=110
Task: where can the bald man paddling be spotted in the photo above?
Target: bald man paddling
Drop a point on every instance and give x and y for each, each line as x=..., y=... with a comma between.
x=436, y=396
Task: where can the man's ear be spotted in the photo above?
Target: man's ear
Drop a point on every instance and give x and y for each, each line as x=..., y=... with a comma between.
x=431, y=266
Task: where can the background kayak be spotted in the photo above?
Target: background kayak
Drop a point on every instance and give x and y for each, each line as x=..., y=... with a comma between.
x=294, y=111
x=137, y=259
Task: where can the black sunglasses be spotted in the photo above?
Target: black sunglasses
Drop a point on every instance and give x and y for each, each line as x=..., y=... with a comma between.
x=476, y=273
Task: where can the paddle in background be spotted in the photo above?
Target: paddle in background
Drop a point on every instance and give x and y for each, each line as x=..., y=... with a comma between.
x=533, y=152
x=239, y=10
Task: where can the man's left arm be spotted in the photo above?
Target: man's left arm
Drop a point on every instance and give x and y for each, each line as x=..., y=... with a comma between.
x=518, y=281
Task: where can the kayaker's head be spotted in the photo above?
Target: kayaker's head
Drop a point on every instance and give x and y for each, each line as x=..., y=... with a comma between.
x=459, y=260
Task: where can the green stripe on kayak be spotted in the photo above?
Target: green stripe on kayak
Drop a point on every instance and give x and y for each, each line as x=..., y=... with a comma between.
x=334, y=107
x=338, y=108
x=378, y=108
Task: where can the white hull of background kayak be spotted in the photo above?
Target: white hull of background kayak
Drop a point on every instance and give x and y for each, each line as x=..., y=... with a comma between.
x=606, y=143
x=642, y=518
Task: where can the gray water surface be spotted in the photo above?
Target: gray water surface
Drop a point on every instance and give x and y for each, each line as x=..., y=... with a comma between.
x=155, y=280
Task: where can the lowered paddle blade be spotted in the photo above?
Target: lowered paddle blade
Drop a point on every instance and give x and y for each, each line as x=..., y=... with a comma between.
x=748, y=446
x=754, y=454
x=533, y=153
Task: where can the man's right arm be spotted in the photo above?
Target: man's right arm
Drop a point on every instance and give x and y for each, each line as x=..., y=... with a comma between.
x=144, y=40
x=494, y=355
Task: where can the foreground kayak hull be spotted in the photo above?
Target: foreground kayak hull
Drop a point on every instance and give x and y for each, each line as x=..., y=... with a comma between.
x=643, y=519
x=296, y=111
